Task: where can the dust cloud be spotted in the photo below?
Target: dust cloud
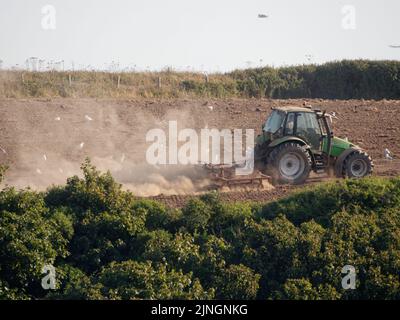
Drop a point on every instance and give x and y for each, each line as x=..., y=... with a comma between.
x=50, y=141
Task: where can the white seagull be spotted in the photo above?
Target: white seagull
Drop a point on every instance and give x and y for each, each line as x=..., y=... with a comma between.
x=387, y=154
x=332, y=115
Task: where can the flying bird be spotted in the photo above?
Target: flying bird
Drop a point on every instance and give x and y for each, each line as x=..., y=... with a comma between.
x=394, y=46
x=262, y=16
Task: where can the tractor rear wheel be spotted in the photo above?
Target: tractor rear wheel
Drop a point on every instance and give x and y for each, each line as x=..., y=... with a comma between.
x=289, y=163
x=357, y=165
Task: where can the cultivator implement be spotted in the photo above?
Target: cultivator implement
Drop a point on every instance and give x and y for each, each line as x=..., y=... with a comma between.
x=224, y=175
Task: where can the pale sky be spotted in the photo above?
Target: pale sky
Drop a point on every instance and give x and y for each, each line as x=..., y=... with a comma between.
x=208, y=35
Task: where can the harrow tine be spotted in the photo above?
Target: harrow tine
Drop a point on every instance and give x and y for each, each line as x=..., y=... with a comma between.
x=224, y=175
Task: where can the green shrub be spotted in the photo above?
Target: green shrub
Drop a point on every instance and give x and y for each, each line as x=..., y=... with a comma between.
x=158, y=216
x=302, y=289
x=107, y=244
x=238, y=282
x=179, y=250
x=140, y=280
x=31, y=236
x=74, y=284
x=196, y=215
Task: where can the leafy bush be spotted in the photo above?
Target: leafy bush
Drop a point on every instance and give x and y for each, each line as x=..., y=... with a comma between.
x=179, y=250
x=302, y=289
x=31, y=236
x=74, y=284
x=140, y=280
x=238, y=282
x=196, y=215
x=106, y=244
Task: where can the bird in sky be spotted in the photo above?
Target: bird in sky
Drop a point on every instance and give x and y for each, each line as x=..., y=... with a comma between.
x=262, y=16
x=394, y=46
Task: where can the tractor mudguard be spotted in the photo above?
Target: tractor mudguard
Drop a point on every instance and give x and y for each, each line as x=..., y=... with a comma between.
x=340, y=160
x=288, y=139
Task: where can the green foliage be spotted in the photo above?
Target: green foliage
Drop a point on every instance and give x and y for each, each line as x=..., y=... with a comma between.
x=196, y=215
x=106, y=218
x=74, y=284
x=179, y=250
x=140, y=280
x=302, y=289
x=321, y=202
x=3, y=170
x=238, y=282
x=104, y=237
x=347, y=79
x=219, y=89
x=95, y=192
x=106, y=244
x=11, y=294
x=158, y=216
x=31, y=236
x=259, y=82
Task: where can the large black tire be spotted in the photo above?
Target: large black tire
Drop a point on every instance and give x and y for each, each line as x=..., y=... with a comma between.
x=289, y=163
x=357, y=165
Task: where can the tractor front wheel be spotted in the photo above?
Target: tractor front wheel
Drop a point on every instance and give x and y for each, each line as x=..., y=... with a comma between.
x=357, y=165
x=289, y=163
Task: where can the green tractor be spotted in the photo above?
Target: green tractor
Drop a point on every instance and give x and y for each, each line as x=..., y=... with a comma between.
x=296, y=140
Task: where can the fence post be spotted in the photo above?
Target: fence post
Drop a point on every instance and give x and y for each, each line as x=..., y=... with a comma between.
x=23, y=77
x=119, y=81
x=159, y=82
x=206, y=77
x=70, y=80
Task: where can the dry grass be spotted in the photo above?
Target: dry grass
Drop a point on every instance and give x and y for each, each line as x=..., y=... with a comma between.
x=85, y=84
x=346, y=79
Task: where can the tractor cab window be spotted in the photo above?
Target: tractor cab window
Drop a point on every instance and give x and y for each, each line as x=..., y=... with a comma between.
x=322, y=126
x=307, y=127
x=274, y=122
x=289, y=126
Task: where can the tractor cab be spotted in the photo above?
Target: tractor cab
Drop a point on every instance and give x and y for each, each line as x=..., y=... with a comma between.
x=309, y=125
x=298, y=123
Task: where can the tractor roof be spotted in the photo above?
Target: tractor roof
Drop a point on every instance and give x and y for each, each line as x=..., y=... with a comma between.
x=294, y=109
